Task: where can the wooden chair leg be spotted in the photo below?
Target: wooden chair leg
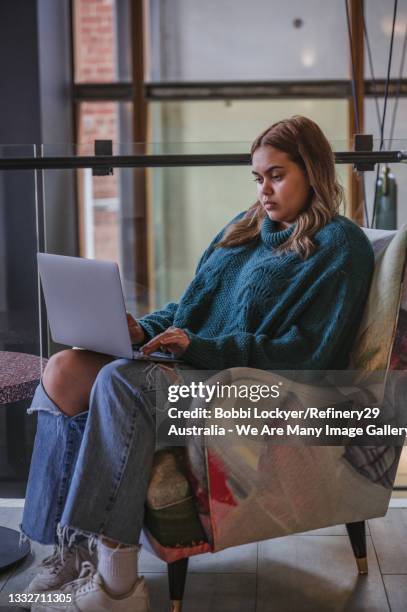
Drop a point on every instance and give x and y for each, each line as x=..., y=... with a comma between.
x=177, y=574
x=357, y=535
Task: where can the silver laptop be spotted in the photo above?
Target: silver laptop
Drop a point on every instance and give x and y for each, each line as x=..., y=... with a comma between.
x=85, y=306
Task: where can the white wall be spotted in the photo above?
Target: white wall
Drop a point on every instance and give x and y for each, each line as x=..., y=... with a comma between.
x=240, y=40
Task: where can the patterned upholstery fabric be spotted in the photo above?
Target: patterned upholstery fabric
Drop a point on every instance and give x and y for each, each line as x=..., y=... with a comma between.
x=168, y=484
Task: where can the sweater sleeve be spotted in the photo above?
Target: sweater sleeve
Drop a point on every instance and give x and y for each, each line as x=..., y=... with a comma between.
x=312, y=342
x=158, y=321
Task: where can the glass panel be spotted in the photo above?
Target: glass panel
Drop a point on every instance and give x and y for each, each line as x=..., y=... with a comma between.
x=98, y=120
x=209, y=149
x=101, y=38
x=379, y=19
x=186, y=207
x=177, y=148
x=189, y=207
x=106, y=223
x=237, y=122
x=18, y=281
x=20, y=345
x=8, y=151
x=240, y=121
x=99, y=196
x=105, y=220
x=199, y=201
x=268, y=40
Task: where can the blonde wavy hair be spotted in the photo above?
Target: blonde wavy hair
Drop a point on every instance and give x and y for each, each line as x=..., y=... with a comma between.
x=306, y=145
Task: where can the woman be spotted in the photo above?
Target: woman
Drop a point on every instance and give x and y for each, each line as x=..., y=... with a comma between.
x=283, y=286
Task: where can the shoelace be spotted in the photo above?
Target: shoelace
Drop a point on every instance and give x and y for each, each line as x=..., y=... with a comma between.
x=52, y=558
x=56, y=560
x=84, y=582
x=67, y=539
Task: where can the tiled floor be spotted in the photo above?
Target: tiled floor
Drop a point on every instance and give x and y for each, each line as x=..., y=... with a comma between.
x=312, y=572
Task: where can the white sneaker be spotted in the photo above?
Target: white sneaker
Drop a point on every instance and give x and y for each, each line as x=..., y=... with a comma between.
x=87, y=594
x=57, y=569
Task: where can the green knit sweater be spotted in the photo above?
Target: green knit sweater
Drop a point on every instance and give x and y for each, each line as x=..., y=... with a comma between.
x=252, y=306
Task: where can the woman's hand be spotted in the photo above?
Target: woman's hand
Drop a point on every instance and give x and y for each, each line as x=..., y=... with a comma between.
x=173, y=339
x=137, y=334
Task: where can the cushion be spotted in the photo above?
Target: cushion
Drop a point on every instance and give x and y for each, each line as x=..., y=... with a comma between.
x=171, y=515
x=374, y=340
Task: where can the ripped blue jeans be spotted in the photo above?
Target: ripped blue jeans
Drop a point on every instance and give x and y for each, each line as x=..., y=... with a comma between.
x=89, y=473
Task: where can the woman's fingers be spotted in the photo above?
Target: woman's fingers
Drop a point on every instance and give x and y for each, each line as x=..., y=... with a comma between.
x=162, y=340
x=173, y=339
x=136, y=331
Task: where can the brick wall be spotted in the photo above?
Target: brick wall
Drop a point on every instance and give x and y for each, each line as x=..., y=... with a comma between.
x=95, y=62
x=106, y=235
x=95, y=30
x=99, y=120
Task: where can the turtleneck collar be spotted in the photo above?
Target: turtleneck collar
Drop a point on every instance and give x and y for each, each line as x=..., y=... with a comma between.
x=271, y=236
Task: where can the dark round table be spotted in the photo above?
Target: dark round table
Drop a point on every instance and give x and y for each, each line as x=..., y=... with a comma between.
x=19, y=375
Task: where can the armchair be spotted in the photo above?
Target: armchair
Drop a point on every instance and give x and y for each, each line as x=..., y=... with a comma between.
x=210, y=498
